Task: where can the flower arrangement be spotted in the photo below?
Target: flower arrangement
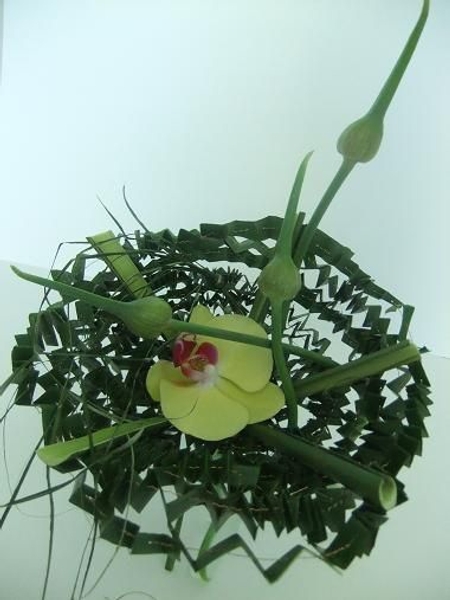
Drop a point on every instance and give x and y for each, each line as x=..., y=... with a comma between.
x=162, y=372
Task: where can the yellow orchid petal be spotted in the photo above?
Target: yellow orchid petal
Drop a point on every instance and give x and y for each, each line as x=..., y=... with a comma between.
x=238, y=391
x=249, y=367
x=212, y=416
x=162, y=370
x=178, y=401
x=261, y=405
x=200, y=315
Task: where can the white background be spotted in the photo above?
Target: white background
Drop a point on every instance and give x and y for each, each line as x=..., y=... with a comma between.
x=204, y=110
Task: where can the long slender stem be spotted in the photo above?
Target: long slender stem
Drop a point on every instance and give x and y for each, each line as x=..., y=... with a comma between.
x=378, y=488
x=176, y=326
x=280, y=362
x=51, y=534
x=290, y=223
x=377, y=362
x=310, y=229
x=260, y=306
x=22, y=478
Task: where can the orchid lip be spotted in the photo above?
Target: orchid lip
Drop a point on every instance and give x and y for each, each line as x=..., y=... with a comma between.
x=182, y=349
x=197, y=361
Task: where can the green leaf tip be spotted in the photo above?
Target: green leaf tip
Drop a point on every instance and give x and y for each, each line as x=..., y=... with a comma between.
x=280, y=280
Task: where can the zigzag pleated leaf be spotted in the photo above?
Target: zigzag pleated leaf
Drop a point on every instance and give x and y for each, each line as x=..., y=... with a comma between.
x=86, y=371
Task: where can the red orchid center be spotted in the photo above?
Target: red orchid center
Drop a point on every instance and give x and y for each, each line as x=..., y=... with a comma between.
x=196, y=361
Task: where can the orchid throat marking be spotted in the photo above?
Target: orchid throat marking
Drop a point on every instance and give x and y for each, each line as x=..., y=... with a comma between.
x=197, y=361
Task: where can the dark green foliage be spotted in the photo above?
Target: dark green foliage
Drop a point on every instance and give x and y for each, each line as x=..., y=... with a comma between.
x=87, y=371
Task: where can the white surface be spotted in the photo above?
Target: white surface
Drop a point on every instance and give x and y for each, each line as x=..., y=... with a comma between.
x=204, y=110
x=409, y=560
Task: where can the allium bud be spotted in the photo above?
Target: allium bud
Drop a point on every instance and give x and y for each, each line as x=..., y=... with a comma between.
x=280, y=279
x=360, y=141
x=146, y=317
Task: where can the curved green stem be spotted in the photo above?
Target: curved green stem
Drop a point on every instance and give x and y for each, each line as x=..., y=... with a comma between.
x=280, y=362
x=375, y=115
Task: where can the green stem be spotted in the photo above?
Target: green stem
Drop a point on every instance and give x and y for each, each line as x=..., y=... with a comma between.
x=378, y=488
x=145, y=317
x=377, y=112
x=381, y=104
x=72, y=293
x=310, y=355
x=343, y=375
x=260, y=306
x=176, y=326
x=280, y=362
x=283, y=246
x=118, y=309
x=205, y=545
x=284, y=242
x=307, y=235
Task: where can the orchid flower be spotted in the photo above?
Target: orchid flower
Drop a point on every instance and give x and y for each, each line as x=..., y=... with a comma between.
x=215, y=387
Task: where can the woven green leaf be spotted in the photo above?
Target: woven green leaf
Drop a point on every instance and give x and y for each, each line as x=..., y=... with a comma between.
x=96, y=378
